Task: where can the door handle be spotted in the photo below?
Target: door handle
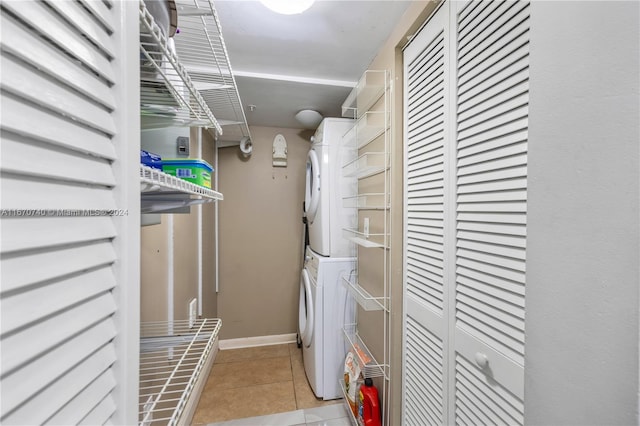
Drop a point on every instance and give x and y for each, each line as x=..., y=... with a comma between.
x=481, y=360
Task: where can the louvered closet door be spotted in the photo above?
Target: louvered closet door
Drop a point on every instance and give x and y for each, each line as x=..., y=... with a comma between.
x=425, y=324
x=491, y=199
x=465, y=218
x=64, y=269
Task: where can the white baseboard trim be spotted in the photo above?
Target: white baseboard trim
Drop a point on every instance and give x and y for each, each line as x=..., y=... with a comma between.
x=249, y=342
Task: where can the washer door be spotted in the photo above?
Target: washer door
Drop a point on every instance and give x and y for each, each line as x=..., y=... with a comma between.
x=312, y=186
x=305, y=310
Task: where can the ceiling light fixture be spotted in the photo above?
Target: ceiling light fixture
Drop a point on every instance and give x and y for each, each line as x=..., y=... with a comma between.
x=309, y=118
x=288, y=7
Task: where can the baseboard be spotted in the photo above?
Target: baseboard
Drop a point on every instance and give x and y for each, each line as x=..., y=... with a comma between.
x=248, y=342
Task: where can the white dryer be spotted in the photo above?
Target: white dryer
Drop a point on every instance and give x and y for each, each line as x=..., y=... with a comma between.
x=324, y=306
x=325, y=189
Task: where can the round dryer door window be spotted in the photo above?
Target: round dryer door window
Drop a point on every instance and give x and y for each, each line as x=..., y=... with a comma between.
x=305, y=310
x=312, y=186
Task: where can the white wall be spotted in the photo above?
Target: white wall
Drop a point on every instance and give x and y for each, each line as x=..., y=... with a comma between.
x=583, y=245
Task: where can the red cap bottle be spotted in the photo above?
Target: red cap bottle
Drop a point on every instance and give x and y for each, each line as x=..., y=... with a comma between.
x=369, y=414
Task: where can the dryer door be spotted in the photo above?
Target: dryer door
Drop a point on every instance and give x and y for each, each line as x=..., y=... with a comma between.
x=312, y=186
x=305, y=310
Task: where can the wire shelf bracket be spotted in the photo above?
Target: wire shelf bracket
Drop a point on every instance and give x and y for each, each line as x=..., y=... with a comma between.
x=201, y=48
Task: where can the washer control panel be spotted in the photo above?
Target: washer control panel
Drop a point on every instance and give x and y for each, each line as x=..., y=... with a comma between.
x=311, y=262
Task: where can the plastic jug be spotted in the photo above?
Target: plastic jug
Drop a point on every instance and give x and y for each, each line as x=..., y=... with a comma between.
x=369, y=407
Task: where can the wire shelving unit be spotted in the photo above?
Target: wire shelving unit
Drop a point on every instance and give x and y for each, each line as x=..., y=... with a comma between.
x=175, y=359
x=161, y=192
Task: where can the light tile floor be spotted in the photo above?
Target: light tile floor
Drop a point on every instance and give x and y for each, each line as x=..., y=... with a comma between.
x=330, y=415
x=262, y=386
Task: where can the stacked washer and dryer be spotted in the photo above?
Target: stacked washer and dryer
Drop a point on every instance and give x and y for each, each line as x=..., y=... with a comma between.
x=324, y=302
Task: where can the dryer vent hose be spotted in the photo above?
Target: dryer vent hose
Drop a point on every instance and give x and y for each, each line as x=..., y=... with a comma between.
x=246, y=146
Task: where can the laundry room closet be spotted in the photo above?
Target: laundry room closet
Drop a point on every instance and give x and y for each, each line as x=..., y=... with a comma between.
x=496, y=246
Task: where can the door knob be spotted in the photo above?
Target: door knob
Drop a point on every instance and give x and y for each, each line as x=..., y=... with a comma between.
x=481, y=360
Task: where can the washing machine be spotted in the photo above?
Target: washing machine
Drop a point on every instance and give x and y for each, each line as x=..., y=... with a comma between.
x=324, y=307
x=326, y=188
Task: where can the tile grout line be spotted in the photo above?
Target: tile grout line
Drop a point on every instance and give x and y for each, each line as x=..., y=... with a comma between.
x=293, y=379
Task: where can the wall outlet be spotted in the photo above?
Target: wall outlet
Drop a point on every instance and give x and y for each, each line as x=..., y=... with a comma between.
x=182, y=146
x=366, y=227
x=193, y=312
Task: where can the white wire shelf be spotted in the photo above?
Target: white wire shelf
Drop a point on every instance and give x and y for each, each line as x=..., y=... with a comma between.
x=367, y=201
x=371, y=367
x=345, y=401
x=367, y=129
x=201, y=48
x=369, y=240
x=362, y=296
x=161, y=192
x=368, y=90
x=174, y=358
x=368, y=164
x=168, y=97
x=366, y=156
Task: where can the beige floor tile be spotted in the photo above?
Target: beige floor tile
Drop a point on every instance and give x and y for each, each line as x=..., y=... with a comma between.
x=250, y=372
x=236, y=403
x=295, y=352
x=258, y=352
x=305, y=398
x=297, y=369
x=255, y=382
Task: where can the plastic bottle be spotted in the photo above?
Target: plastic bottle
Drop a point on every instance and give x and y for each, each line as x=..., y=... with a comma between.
x=369, y=407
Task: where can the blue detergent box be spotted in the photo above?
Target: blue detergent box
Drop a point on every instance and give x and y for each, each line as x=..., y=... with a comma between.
x=150, y=159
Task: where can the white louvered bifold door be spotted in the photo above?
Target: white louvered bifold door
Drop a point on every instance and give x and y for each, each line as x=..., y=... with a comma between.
x=491, y=210
x=427, y=122
x=484, y=210
x=70, y=212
